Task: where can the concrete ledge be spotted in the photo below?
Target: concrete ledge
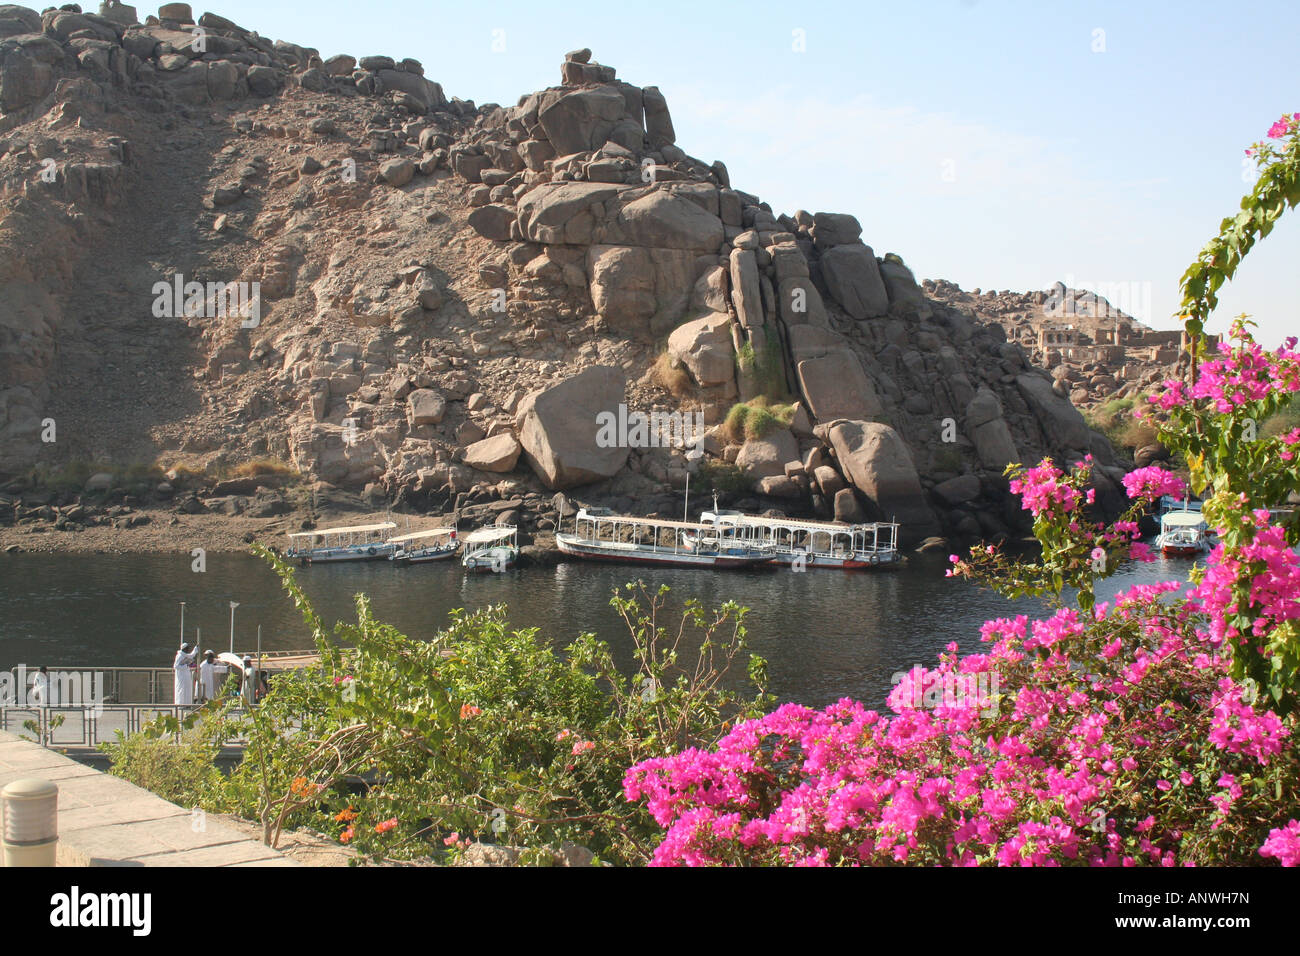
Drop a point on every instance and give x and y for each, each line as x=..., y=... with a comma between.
x=105, y=821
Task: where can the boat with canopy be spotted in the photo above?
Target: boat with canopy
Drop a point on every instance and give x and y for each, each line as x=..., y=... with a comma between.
x=812, y=544
x=1182, y=533
x=418, y=547
x=491, y=549
x=362, y=542
x=601, y=535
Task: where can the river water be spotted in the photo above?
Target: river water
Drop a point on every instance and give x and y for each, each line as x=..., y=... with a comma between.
x=825, y=634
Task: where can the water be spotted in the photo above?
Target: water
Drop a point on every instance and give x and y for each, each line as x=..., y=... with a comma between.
x=825, y=634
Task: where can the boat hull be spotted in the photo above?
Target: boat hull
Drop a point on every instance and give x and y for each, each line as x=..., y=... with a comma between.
x=577, y=548
x=377, y=552
x=424, y=557
x=490, y=559
x=834, y=563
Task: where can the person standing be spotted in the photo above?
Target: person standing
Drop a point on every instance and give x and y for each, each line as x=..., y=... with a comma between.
x=41, y=688
x=249, y=689
x=208, y=676
x=183, y=686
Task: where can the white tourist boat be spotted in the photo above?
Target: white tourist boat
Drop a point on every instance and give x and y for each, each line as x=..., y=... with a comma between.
x=601, y=535
x=418, y=547
x=491, y=549
x=1182, y=533
x=812, y=544
x=362, y=542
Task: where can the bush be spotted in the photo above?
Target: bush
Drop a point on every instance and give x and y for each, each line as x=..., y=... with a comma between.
x=184, y=773
x=672, y=377
x=766, y=371
x=755, y=419
x=724, y=478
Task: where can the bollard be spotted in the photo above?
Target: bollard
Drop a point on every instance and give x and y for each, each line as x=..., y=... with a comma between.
x=31, y=822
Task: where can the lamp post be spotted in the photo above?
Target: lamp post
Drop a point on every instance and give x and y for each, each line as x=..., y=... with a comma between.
x=182, y=623
x=233, y=605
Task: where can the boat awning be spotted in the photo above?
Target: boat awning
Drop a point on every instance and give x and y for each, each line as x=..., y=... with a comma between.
x=483, y=535
x=725, y=518
x=1183, y=519
x=353, y=529
x=417, y=535
x=585, y=515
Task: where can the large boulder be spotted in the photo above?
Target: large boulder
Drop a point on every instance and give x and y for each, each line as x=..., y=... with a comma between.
x=498, y=453
x=875, y=459
x=836, y=387
x=491, y=221
x=427, y=92
x=989, y=432
x=582, y=119
x=558, y=428
x=766, y=457
x=983, y=407
x=1061, y=422
x=853, y=278
x=959, y=490
x=801, y=303
x=835, y=229
x=424, y=406
x=658, y=123
x=666, y=219
x=563, y=212
x=745, y=291
x=705, y=347
x=900, y=284
x=23, y=79
x=640, y=292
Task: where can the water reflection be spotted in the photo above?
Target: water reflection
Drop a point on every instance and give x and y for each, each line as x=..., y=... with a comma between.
x=826, y=634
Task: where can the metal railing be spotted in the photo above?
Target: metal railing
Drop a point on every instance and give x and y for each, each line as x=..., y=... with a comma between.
x=150, y=685
x=88, y=727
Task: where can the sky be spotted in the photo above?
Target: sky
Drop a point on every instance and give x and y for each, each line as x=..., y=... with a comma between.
x=999, y=145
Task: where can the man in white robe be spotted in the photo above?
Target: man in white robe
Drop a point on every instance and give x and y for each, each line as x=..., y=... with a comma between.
x=40, y=696
x=184, y=682
x=208, y=676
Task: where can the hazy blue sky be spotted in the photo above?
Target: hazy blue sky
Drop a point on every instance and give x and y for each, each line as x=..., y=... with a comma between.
x=996, y=144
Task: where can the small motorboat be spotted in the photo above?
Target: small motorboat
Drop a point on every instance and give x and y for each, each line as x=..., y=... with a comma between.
x=418, y=547
x=363, y=542
x=1182, y=533
x=491, y=549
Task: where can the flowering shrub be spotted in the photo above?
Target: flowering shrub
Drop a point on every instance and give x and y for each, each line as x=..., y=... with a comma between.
x=1131, y=732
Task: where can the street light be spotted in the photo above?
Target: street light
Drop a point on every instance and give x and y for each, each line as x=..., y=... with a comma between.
x=233, y=605
x=182, y=622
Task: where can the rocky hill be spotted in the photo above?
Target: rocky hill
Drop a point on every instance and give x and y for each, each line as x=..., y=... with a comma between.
x=443, y=302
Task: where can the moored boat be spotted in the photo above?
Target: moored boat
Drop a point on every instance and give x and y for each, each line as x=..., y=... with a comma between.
x=812, y=544
x=418, y=547
x=363, y=542
x=491, y=549
x=1182, y=533
x=601, y=535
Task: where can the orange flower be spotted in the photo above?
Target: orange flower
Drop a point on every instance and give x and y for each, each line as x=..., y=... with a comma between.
x=469, y=710
x=386, y=825
x=346, y=835
x=346, y=816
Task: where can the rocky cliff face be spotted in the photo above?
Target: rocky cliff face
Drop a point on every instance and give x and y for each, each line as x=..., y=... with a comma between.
x=441, y=300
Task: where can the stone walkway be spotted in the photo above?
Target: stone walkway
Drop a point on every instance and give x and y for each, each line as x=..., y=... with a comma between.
x=105, y=821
